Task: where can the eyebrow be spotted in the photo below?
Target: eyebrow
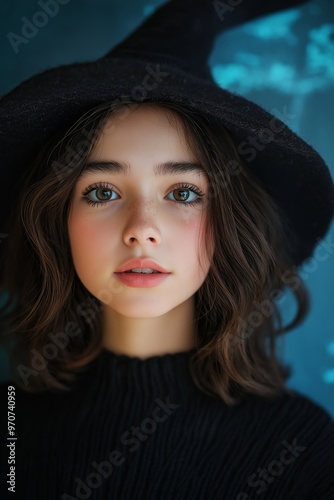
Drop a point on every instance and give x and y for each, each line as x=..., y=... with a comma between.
x=167, y=168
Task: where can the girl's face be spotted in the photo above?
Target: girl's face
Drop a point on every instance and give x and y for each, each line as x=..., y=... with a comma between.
x=140, y=214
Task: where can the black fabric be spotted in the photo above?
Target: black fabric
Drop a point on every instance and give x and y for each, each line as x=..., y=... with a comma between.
x=288, y=168
x=174, y=442
x=185, y=30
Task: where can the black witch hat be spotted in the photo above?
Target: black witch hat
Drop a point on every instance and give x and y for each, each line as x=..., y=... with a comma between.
x=166, y=59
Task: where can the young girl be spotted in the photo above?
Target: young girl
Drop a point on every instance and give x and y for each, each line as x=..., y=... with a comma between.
x=158, y=223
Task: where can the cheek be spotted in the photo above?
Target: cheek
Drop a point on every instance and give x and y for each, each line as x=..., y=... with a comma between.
x=88, y=240
x=188, y=239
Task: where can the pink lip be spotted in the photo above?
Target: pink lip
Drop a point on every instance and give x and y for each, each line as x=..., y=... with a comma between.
x=141, y=280
x=143, y=262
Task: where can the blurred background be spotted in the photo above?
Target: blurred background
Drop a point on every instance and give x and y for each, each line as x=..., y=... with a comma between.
x=283, y=62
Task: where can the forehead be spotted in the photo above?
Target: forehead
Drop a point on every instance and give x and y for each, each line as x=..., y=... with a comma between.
x=143, y=140
x=145, y=112
x=144, y=131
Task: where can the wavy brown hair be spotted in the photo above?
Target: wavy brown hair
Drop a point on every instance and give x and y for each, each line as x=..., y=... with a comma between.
x=237, y=316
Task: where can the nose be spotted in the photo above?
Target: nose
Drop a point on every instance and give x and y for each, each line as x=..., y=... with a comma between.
x=141, y=227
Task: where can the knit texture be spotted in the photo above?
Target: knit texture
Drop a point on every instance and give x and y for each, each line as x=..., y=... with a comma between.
x=141, y=429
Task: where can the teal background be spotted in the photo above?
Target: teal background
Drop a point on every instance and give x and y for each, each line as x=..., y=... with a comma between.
x=282, y=62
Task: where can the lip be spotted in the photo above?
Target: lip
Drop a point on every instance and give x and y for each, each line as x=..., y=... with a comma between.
x=141, y=280
x=143, y=262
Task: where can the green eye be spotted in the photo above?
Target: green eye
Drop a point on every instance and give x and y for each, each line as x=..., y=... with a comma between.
x=102, y=193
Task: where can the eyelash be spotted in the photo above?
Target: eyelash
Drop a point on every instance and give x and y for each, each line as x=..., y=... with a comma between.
x=92, y=203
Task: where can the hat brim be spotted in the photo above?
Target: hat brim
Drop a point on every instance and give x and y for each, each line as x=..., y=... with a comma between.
x=290, y=170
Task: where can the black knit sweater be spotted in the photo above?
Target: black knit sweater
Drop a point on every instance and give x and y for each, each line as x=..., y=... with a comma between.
x=141, y=429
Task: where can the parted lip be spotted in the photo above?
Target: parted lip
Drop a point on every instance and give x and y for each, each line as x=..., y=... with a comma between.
x=143, y=262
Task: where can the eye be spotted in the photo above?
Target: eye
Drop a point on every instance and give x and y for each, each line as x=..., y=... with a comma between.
x=102, y=194
x=182, y=191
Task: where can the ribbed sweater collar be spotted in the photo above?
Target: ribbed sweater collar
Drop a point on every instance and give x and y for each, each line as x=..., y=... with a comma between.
x=167, y=374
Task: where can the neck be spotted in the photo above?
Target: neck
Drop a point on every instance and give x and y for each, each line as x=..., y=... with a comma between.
x=172, y=332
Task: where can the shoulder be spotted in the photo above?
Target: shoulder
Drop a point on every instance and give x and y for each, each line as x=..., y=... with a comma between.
x=299, y=400
x=306, y=431
x=301, y=408
x=296, y=413
x=294, y=422
x=297, y=404
x=294, y=434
